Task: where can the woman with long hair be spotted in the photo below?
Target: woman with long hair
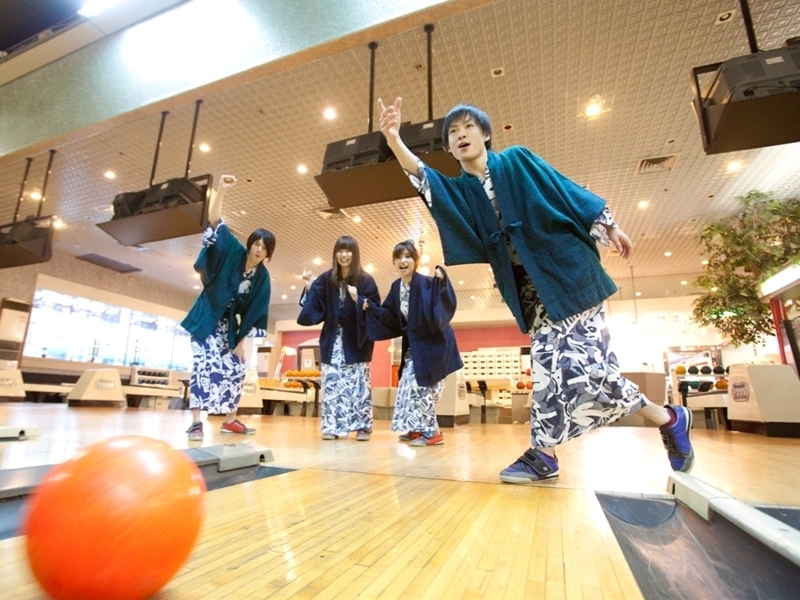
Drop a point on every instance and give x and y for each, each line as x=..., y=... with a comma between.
x=345, y=350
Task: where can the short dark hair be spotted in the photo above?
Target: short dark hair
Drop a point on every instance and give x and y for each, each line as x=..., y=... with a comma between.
x=266, y=236
x=461, y=112
x=410, y=247
x=346, y=242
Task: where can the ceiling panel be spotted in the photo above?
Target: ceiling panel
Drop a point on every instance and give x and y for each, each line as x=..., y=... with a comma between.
x=555, y=55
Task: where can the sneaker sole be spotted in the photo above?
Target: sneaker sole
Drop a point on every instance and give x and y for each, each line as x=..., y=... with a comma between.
x=525, y=480
x=195, y=439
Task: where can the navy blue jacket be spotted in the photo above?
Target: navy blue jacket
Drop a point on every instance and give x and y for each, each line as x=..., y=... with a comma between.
x=427, y=332
x=321, y=305
x=221, y=267
x=548, y=219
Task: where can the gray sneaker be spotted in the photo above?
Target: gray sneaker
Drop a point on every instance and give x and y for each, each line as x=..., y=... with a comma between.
x=195, y=432
x=362, y=435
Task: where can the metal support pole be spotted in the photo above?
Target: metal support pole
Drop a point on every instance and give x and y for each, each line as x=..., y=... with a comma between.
x=22, y=188
x=748, y=26
x=158, y=147
x=429, y=30
x=372, y=47
x=44, y=185
x=191, y=141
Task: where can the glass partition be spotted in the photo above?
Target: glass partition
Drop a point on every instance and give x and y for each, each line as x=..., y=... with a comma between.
x=73, y=328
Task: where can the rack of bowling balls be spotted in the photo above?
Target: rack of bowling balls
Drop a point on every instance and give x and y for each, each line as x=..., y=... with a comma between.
x=702, y=380
x=301, y=379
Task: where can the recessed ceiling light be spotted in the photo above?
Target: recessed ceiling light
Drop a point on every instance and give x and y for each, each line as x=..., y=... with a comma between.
x=714, y=289
x=460, y=282
x=329, y=114
x=472, y=297
x=317, y=261
x=594, y=107
x=490, y=269
x=59, y=224
x=292, y=287
x=644, y=204
x=36, y=195
x=196, y=275
x=667, y=253
x=204, y=147
x=302, y=169
x=109, y=175
x=195, y=287
x=356, y=219
x=703, y=262
x=638, y=293
x=733, y=166
x=369, y=268
x=283, y=296
x=684, y=282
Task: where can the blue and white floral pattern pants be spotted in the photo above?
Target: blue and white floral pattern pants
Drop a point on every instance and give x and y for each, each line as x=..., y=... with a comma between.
x=217, y=375
x=415, y=405
x=577, y=385
x=346, y=394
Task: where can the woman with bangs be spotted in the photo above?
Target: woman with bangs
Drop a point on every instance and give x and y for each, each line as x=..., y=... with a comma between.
x=345, y=350
x=418, y=308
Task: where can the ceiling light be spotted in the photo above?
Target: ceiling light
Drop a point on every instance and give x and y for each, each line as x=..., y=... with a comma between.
x=460, y=282
x=283, y=296
x=472, y=297
x=92, y=8
x=638, y=293
x=734, y=166
x=644, y=204
x=302, y=169
x=369, y=268
x=684, y=282
x=490, y=269
x=425, y=270
x=196, y=275
x=317, y=261
x=703, y=262
x=329, y=114
x=356, y=219
x=109, y=175
x=714, y=289
x=667, y=253
x=195, y=287
x=36, y=195
x=59, y=224
x=594, y=107
x=292, y=287
x=424, y=259
x=204, y=147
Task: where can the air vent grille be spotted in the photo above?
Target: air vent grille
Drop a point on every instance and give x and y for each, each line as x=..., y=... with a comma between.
x=329, y=213
x=656, y=164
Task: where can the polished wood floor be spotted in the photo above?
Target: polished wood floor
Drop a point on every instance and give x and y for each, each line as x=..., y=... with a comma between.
x=380, y=519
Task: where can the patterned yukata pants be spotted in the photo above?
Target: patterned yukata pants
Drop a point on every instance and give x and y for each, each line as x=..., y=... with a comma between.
x=217, y=375
x=415, y=405
x=577, y=385
x=346, y=394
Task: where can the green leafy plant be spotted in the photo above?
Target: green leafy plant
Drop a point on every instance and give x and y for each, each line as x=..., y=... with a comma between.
x=742, y=251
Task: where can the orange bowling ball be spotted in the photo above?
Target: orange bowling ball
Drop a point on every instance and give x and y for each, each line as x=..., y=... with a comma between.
x=116, y=521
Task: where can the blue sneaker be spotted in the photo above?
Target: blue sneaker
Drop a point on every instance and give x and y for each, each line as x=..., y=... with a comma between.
x=531, y=467
x=676, y=439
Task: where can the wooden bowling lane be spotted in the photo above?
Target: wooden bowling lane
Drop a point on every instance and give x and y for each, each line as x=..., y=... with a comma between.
x=330, y=534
